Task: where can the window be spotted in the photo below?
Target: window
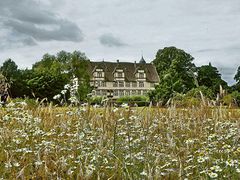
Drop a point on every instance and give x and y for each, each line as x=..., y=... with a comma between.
x=152, y=85
x=141, y=75
x=121, y=84
x=133, y=92
x=141, y=84
x=115, y=84
x=145, y=92
x=139, y=92
x=120, y=74
x=104, y=93
x=121, y=93
x=96, y=84
x=127, y=93
x=101, y=84
x=99, y=74
x=98, y=93
x=127, y=84
x=115, y=93
x=134, y=84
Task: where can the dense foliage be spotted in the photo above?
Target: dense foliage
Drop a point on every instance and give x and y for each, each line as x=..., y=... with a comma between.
x=179, y=77
x=176, y=72
x=48, y=76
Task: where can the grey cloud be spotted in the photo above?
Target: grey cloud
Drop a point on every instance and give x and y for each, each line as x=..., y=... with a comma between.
x=66, y=31
x=206, y=50
x=228, y=74
x=29, y=42
x=28, y=18
x=110, y=41
x=13, y=43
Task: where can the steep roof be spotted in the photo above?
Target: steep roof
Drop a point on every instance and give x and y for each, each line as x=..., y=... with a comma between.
x=129, y=69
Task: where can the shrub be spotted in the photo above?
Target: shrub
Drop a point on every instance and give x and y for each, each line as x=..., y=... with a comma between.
x=207, y=92
x=236, y=97
x=96, y=100
x=132, y=100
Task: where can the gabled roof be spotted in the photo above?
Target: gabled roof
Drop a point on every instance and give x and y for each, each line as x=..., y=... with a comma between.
x=129, y=70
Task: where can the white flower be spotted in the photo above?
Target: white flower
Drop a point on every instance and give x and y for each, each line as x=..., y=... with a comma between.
x=16, y=164
x=216, y=169
x=200, y=160
x=213, y=175
x=67, y=86
x=124, y=105
x=38, y=163
x=58, y=96
x=230, y=163
x=115, y=109
x=96, y=106
x=143, y=173
x=64, y=91
x=8, y=165
x=6, y=118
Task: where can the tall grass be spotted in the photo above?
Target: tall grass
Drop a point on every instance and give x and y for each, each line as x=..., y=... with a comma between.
x=47, y=142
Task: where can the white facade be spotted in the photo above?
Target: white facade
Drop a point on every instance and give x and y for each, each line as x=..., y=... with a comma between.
x=120, y=87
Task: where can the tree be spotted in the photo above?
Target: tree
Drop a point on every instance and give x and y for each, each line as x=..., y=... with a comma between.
x=9, y=69
x=176, y=72
x=78, y=68
x=65, y=66
x=209, y=76
x=237, y=75
x=43, y=85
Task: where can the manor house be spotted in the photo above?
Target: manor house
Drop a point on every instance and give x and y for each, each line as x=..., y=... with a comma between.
x=122, y=78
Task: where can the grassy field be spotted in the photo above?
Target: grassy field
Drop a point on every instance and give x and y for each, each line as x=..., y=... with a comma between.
x=119, y=143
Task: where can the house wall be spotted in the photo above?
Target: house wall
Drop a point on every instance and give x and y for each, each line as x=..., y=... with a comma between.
x=118, y=84
x=122, y=91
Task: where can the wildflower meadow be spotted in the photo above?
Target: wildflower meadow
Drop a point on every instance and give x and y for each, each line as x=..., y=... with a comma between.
x=91, y=142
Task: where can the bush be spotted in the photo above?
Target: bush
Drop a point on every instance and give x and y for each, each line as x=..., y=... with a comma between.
x=236, y=97
x=227, y=99
x=96, y=100
x=132, y=100
x=207, y=92
x=31, y=103
x=184, y=100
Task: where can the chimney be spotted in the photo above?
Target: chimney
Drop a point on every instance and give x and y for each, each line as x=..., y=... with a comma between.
x=117, y=60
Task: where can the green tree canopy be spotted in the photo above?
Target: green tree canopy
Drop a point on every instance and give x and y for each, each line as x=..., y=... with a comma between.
x=209, y=76
x=176, y=72
x=65, y=66
x=9, y=69
x=237, y=75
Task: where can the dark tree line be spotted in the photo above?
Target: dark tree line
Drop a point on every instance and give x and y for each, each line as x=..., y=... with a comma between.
x=178, y=75
x=48, y=76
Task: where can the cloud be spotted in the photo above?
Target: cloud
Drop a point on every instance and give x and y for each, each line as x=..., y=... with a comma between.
x=31, y=21
x=110, y=41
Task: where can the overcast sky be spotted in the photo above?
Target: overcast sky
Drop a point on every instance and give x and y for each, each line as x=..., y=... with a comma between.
x=121, y=29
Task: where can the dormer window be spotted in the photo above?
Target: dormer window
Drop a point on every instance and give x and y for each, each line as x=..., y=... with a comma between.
x=141, y=75
x=119, y=74
x=99, y=74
